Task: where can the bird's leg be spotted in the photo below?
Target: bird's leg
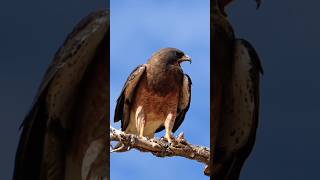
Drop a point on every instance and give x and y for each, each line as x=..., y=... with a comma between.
x=168, y=124
x=140, y=121
x=142, y=125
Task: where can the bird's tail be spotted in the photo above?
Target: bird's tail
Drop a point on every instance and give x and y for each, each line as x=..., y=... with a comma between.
x=227, y=168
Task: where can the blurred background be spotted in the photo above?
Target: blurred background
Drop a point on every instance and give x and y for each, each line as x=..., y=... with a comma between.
x=286, y=35
x=31, y=32
x=138, y=29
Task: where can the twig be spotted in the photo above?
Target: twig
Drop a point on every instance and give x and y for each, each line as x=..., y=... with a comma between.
x=160, y=147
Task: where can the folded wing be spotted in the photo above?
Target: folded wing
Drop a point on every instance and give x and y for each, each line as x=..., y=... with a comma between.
x=124, y=102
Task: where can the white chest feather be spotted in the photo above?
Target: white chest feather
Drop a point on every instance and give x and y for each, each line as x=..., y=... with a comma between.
x=238, y=122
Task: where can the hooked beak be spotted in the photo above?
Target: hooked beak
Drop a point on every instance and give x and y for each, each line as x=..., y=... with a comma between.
x=185, y=58
x=258, y=3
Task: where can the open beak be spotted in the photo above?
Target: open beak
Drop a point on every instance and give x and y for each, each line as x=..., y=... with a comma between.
x=185, y=58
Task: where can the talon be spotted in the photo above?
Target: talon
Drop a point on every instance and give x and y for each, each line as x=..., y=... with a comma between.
x=171, y=140
x=207, y=170
x=120, y=147
x=163, y=139
x=181, y=139
x=181, y=136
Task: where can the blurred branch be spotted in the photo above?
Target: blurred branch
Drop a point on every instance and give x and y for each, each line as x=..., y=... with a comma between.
x=160, y=147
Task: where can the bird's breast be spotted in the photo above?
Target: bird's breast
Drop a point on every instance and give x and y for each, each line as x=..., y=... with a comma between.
x=240, y=104
x=157, y=100
x=163, y=83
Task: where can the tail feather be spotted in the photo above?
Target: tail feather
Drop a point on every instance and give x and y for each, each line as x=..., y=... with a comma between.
x=228, y=170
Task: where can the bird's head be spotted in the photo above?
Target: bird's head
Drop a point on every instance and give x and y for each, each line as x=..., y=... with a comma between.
x=169, y=57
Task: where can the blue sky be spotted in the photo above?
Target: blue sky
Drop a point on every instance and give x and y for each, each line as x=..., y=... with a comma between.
x=286, y=36
x=138, y=29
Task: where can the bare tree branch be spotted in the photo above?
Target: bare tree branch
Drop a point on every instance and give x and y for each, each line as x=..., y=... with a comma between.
x=160, y=147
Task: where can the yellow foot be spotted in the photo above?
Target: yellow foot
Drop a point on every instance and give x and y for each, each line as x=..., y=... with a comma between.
x=171, y=139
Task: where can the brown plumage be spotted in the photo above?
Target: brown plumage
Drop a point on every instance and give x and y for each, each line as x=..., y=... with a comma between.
x=68, y=117
x=156, y=96
x=236, y=72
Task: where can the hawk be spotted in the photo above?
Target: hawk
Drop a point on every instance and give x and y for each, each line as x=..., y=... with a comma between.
x=236, y=72
x=156, y=96
x=63, y=135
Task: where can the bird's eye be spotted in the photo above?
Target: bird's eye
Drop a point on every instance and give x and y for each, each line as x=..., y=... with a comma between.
x=179, y=54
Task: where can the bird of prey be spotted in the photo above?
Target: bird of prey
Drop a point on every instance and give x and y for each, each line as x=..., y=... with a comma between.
x=236, y=71
x=156, y=96
x=63, y=135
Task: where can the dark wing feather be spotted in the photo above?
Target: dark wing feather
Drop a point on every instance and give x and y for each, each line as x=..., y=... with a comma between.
x=30, y=148
x=29, y=153
x=122, y=111
x=184, y=102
